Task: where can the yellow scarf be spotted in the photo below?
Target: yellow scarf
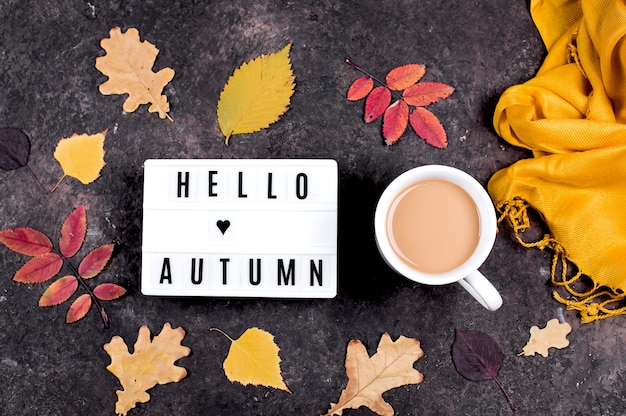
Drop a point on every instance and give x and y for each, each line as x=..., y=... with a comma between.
x=572, y=115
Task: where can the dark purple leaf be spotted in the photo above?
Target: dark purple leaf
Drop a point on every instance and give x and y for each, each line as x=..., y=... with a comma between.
x=476, y=355
x=14, y=148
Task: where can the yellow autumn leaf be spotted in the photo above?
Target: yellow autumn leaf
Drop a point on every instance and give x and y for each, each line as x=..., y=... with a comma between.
x=554, y=335
x=257, y=94
x=253, y=359
x=151, y=363
x=81, y=157
x=128, y=64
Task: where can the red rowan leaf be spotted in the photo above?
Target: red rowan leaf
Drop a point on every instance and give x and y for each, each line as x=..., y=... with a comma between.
x=108, y=291
x=404, y=76
x=428, y=127
x=59, y=291
x=360, y=88
x=376, y=103
x=78, y=309
x=26, y=241
x=39, y=269
x=94, y=262
x=394, y=121
x=425, y=93
x=73, y=232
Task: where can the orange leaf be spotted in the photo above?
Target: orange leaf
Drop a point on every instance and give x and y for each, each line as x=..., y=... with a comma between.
x=360, y=88
x=39, y=269
x=404, y=76
x=376, y=103
x=394, y=121
x=73, y=232
x=108, y=291
x=59, y=291
x=26, y=241
x=428, y=127
x=78, y=309
x=94, y=262
x=426, y=93
x=370, y=377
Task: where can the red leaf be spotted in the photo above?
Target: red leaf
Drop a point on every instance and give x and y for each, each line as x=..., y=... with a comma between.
x=39, y=269
x=404, y=76
x=395, y=121
x=376, y=103
x=73, y=232
x=26, y=241
x=426, y=93
x=94, y=262
x=428, y=127
x=108, y=291
x=360, y=88
x=59, y=291
x=78, y=309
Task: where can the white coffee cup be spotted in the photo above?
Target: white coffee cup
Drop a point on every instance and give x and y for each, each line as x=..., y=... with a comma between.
x=467, y=273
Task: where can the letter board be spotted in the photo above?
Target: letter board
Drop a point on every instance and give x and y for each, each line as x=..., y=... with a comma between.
x=240, y=228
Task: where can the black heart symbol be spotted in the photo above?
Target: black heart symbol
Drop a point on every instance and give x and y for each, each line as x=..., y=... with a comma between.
x=223, y=225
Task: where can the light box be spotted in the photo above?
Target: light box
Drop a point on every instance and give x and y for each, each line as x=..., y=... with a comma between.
x=240, y=228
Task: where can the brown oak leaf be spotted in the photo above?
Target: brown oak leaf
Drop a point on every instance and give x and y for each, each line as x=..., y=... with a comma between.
x=151, y=363
x=554, y=335
x=369, y=377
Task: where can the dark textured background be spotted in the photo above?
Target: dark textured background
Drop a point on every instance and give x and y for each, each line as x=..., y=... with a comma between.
x=49, y=89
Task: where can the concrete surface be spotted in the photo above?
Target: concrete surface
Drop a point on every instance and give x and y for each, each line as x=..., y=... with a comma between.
x=49, y=89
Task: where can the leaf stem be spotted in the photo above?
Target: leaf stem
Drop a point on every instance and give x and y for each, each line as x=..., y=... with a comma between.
x=54, y=188
x=41, y=189
x=103, y=314
x=222, y=332
x=381, y=82
x=513, y=408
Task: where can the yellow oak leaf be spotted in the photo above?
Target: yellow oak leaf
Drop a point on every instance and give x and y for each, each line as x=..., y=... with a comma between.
x=554, y=335
x=257, y=94
x=151, y=363
x=128, y=64
x=369, y=377
x=81, y=157
x=253, y=359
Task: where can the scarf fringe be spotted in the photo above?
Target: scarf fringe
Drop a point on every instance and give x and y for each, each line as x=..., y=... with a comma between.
x=593, y=304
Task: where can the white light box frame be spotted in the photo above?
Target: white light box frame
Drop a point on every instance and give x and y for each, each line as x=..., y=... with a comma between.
x=240, y=228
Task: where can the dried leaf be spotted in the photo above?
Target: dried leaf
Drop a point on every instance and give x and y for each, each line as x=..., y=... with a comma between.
x=376, y=103
x=78, y=309
x=26, y=241
x=394, y=121
x=59, y=291
x=108, y=291
x=257, y=94
x=39, y=269
x=427, y=126
x=253, y=359
x=425, y=93
x=14, y=148
x=478, y=357
x=360, y=88
x=404, y=76
x=73, y=232
x=128, y=64
x=94, y=262
x=368, y=378
x=554, y=335
x=81, y=157
x=151, y=363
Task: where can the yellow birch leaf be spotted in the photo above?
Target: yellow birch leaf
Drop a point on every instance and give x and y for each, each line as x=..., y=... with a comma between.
x=253, y=359
x=369, y=377
x=81, y=157
x=151, y=363
x=257, y=94
x=128, y=64
x=554, y=335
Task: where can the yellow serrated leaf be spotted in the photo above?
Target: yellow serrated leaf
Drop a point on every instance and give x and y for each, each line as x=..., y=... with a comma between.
x=257, y=94
x=128, y=64
x=253, y=359
x=81, y=157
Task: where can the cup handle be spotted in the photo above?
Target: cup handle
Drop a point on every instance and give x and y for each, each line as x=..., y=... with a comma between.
x=482, y=290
